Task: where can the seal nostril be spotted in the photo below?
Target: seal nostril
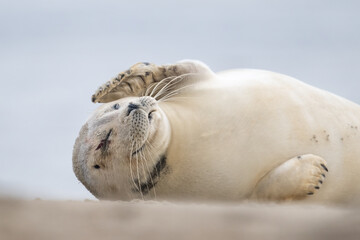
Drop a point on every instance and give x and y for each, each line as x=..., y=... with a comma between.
x=132, y=107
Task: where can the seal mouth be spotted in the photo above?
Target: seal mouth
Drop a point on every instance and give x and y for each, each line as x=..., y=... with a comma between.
x=137, y=151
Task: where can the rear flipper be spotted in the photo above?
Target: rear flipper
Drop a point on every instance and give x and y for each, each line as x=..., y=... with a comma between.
x=296, y=178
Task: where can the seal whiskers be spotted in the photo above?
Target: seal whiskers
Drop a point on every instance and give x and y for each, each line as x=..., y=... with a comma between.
x=142, y=160
x=171, y=83
x=171, y=80
x=151, y=148
x=138, y=175
x=153, y=87
x=149, y=174
x=131, y=169
x=173, y=93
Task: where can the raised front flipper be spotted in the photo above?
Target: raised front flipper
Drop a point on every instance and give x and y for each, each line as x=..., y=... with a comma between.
x=296, y=178
x=150, y=80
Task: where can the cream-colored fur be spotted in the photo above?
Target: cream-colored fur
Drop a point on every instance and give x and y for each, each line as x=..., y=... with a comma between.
x=239, y=134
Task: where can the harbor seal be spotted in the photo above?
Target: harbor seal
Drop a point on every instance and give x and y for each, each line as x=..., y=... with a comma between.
x=181, y=131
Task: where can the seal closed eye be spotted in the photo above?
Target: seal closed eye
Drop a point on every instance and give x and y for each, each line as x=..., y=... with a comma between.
x=104, y=143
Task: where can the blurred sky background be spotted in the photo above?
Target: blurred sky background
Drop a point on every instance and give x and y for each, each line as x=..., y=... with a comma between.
x=54, y=54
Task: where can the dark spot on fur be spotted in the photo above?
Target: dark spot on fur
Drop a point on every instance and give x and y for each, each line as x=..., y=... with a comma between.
x=314, y=138
x=93, y=98
x=310, y=193
x=128, y=71
x=154, y=175
x=323, y=175
x=146, y=63
x=321, y=182
x=96, y=166
x=147, y=73
x=317, y=187
x=299, y=157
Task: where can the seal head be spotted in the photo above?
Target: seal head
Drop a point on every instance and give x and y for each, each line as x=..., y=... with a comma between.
x=121, y=149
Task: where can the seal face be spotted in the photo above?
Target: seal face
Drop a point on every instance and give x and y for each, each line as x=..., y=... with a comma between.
x=123, y=148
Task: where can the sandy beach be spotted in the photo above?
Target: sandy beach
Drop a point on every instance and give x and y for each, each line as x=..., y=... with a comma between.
x=39, y=220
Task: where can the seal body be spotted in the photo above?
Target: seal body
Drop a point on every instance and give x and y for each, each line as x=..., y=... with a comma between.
x=247, y=122
x=239, y=134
